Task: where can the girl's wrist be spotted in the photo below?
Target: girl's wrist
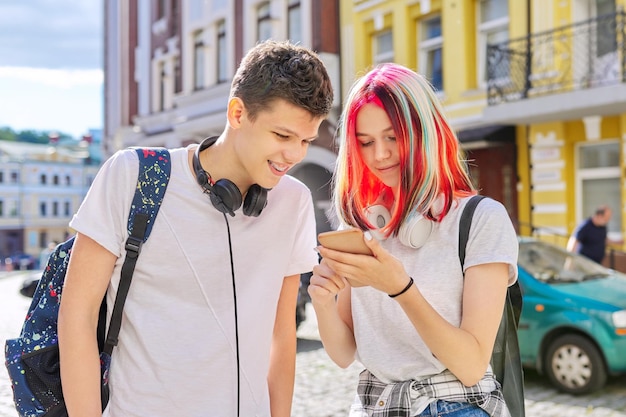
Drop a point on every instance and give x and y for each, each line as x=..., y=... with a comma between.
x=403, y=290
x=325, y=305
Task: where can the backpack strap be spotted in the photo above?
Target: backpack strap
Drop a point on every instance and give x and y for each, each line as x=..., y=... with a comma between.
x=465, y=224
x=505, y=360
x=152, y=180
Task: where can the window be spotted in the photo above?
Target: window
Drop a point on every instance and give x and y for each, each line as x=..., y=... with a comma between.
x=264, y=22
x=68, y=180
x=493, y=27
x=161, y=8
x=222, y=55
x=599, y=156
x=55, y=180
x=43, y=179
x=67, y=209
x=294, y=21
x=195, y=9
x=178, y=80
x=55, y=208
x=1, y=177
x=162, y=86
x=383, y=47
x=606, y=41
x=596, y=42
x=42, y=209
x=14, y=211
x=1, y=208
x=431, y=55
x=43, y=241
x=14, y=177
x=598, y=178
x=219, y=4
x=198, y=62
x=173, y=20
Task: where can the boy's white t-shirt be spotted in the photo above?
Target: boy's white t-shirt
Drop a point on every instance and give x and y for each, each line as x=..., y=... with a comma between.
x=177, y=354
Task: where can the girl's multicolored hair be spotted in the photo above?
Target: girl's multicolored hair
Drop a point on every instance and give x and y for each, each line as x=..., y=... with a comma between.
x=431, y=161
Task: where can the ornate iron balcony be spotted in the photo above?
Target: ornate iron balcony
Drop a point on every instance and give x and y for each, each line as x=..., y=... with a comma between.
x=584, y=55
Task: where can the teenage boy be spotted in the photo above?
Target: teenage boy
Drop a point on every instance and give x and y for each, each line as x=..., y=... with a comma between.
x=209, y=322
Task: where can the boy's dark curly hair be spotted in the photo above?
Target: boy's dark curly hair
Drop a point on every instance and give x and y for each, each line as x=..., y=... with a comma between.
x=281, y=70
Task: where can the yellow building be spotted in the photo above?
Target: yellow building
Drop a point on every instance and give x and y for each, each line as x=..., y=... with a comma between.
x=534, y=88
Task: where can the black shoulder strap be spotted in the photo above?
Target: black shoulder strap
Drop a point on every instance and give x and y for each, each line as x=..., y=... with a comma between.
x=514, y=292
x=505, y=359
x=152, y=180
x=465, y=224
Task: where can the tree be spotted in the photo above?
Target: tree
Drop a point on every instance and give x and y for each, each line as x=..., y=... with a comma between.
x=6, y=133
x=31, y=136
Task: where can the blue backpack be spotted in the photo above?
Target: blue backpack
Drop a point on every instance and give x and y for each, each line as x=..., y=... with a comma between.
x=33, y=358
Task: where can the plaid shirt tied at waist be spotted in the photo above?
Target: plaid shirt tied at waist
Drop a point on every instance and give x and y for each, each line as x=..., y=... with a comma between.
x=394, y=400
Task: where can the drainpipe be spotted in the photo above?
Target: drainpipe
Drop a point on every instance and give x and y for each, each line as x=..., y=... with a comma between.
x=621, y=19
x=527, y=84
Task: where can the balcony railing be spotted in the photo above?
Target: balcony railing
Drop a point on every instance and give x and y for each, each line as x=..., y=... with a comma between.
x=579, y=56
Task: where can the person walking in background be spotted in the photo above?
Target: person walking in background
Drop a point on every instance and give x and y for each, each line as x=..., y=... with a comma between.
x=209, y=323
x=45, y=253
x=421, y=324
x=590, y=237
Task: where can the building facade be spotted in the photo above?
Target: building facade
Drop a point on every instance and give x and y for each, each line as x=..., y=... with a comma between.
x=534, y=88
x=445, y=41
x=169, y=64
x=562, y=85
x=41, y=186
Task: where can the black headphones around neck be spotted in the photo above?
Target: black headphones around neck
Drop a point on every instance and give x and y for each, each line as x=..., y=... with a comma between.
x=224, y=194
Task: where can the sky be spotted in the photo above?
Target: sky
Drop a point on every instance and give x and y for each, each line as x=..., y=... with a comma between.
x=51, y=76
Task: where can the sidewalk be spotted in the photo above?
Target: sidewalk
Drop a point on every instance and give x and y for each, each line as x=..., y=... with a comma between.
x=322, y=389
x=325, y=390
x=13, y=308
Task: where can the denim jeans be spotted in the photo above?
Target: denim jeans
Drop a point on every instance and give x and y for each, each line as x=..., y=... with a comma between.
x=442, y=408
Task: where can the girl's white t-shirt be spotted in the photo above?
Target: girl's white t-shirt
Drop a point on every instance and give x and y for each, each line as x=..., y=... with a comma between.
x=387, y=343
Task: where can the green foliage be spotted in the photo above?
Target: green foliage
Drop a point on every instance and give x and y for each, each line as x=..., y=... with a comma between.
x=31, y=136
x=6, y=133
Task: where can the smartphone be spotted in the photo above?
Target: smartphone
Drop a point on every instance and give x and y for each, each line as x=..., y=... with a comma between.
x=347, y=240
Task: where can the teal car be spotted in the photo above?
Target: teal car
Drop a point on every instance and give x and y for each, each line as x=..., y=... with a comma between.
x=573, y=323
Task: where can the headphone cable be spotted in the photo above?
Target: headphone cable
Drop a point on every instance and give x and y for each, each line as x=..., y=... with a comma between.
x=232, y=270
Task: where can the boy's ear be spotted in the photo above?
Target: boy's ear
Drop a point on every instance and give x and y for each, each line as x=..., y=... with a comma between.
x=236, y=111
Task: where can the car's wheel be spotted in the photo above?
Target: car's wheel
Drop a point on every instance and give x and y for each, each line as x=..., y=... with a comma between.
x=574, y=365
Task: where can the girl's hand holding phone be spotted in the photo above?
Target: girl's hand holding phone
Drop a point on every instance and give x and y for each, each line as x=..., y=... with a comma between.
x=347, y=240
x=380, y=270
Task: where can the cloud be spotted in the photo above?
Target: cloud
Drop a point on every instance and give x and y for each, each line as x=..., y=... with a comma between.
x=51, y=65
x=62, y=78
x=65, y=101
x=51, y=33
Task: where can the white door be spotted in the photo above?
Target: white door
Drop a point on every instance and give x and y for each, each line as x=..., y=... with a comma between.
x=599, y=183
x=606, y=190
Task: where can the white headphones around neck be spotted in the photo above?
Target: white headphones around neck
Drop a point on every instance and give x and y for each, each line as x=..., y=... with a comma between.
x=414, y=232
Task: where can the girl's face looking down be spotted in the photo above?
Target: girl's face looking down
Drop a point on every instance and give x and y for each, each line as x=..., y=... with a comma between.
x=377, y=144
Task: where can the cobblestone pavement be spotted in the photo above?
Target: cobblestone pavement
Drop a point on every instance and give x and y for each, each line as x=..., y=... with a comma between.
x=325, y=390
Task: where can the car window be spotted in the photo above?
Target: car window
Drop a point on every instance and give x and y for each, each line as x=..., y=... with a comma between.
x=552, y=264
